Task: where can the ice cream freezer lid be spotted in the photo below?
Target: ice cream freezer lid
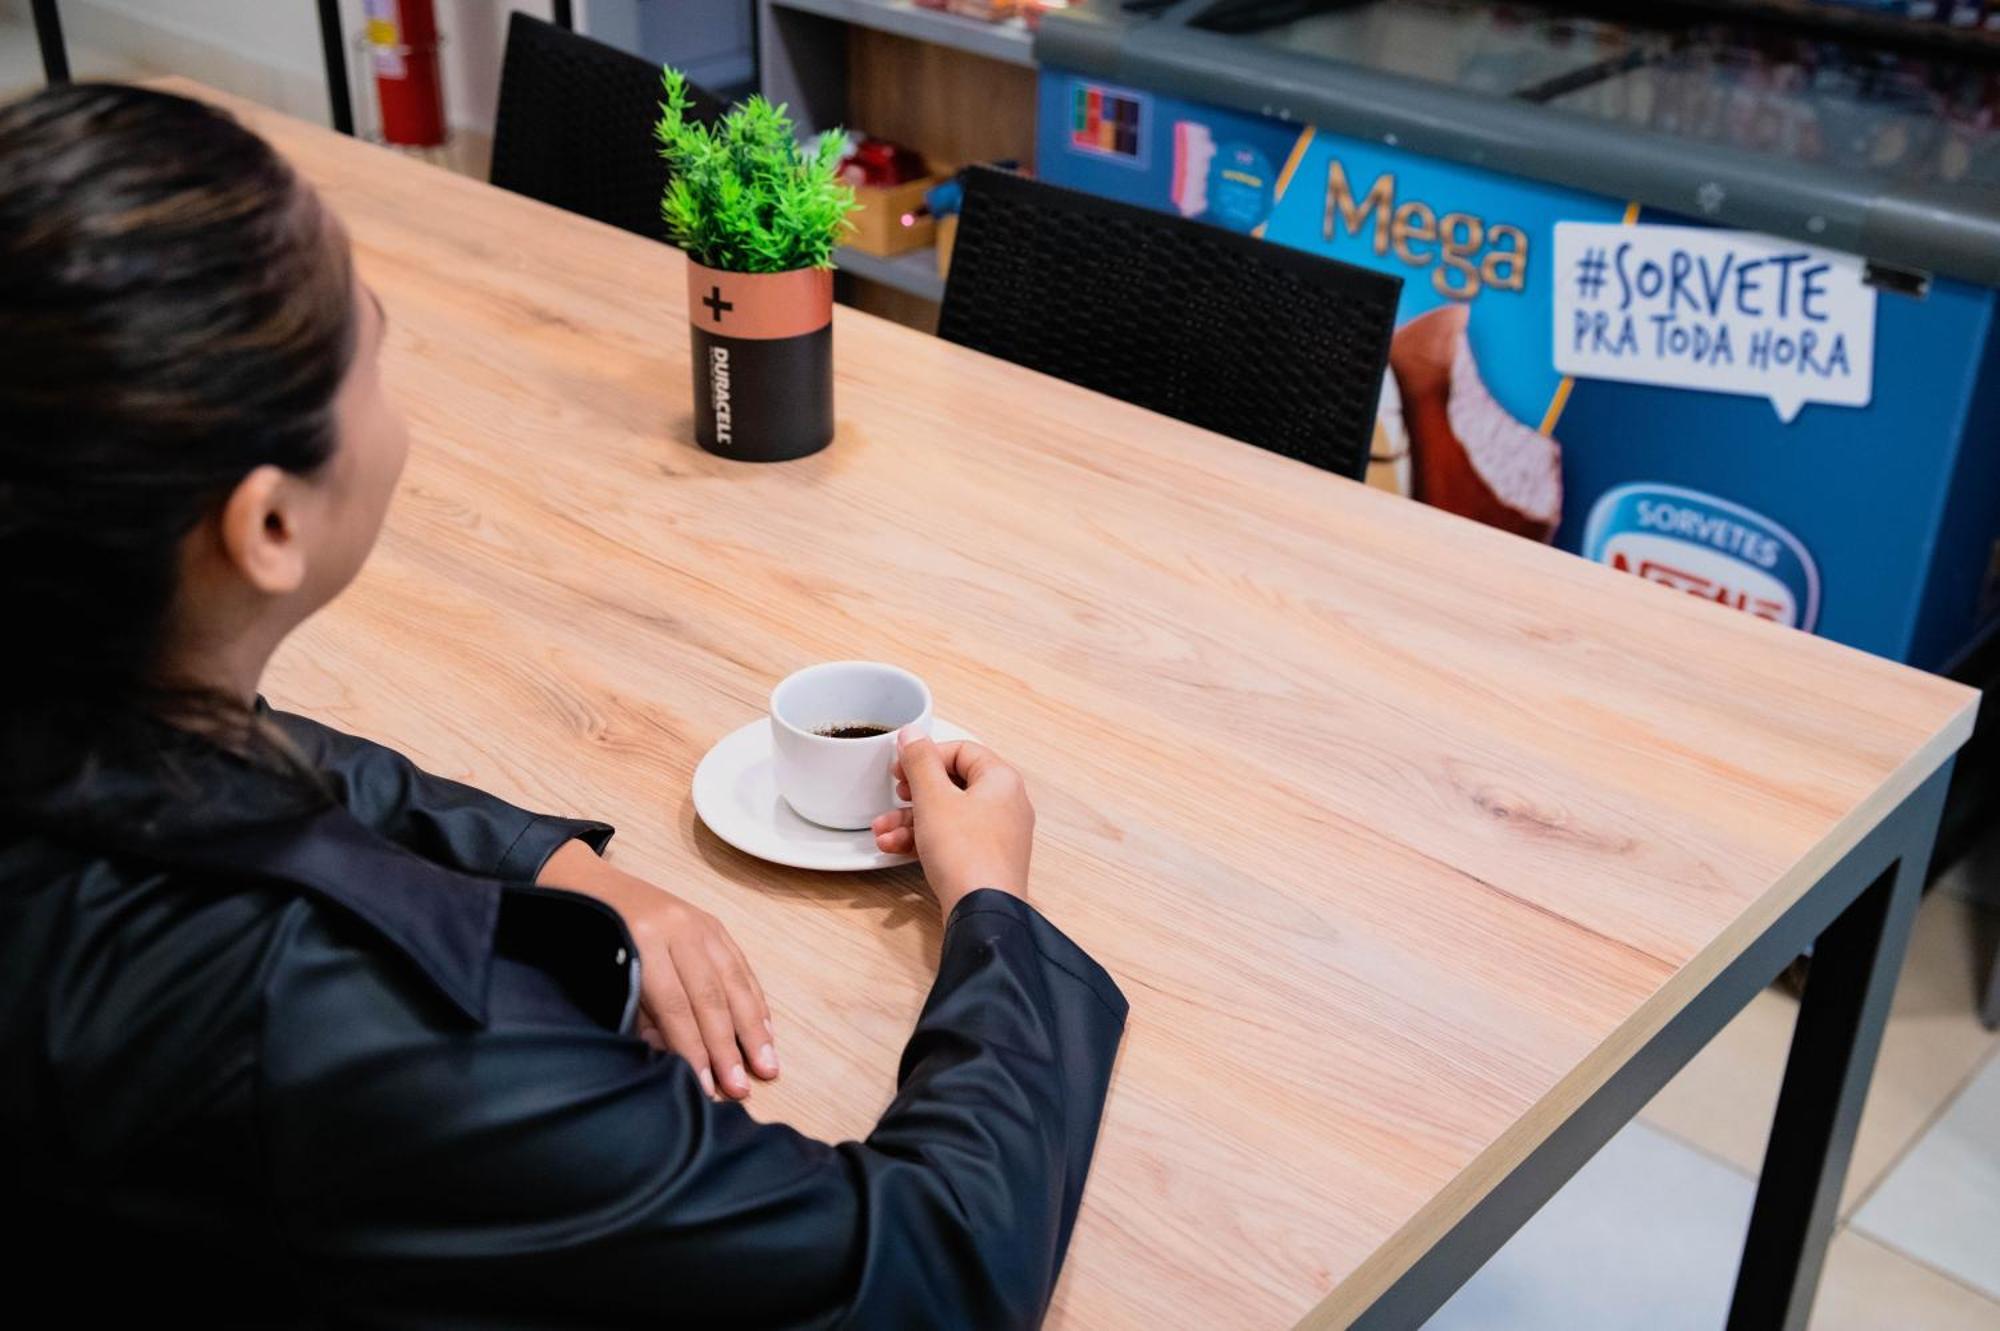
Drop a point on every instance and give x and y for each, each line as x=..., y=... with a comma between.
x=1883, y=149
x=1505, y=50
x=1902, y=116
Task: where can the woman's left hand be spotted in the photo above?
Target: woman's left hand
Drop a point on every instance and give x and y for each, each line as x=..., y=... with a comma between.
x=699, y=997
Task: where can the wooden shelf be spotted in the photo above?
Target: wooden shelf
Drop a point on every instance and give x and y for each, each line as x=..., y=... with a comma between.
x=1009, y=41
x=913, y=272
x=955, y=89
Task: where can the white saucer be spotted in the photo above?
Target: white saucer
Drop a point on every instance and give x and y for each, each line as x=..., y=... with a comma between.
x=736, y=794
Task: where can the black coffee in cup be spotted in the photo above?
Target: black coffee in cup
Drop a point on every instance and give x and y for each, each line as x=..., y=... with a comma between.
x=863, y=704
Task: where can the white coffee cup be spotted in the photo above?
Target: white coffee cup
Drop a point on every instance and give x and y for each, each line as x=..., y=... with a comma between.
x=843, y=783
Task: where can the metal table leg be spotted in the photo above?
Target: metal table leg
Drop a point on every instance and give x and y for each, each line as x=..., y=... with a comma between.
x=333, y=47
x=1855, y=964
x=1990, y=1011
x=48, y=31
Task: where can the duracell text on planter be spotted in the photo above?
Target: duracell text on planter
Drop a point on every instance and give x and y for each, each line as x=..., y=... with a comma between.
x=718, y=387
x=1465, y=264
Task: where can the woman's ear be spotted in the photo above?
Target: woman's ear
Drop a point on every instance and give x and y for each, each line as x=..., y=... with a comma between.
x=259, y=527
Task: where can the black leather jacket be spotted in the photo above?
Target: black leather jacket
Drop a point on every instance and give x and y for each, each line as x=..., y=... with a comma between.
x=274, y=1060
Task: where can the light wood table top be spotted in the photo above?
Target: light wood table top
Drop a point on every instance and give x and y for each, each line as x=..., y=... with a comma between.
x=1401, y=834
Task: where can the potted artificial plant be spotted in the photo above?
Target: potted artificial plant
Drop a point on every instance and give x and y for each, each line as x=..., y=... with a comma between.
x=759, y=216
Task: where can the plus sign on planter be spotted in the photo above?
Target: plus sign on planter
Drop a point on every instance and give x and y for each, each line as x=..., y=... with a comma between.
x=758, y=216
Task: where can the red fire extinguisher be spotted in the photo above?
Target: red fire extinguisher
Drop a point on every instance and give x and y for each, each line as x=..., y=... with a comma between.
x=403, y=46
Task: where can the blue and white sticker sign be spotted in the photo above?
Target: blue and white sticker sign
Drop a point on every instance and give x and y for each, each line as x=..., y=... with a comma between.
x=1707, y=547
x=1724, y=311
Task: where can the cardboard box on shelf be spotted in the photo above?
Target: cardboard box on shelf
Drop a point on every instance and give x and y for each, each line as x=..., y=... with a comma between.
x=947, y=232
x=879, y=225
x=989, y=11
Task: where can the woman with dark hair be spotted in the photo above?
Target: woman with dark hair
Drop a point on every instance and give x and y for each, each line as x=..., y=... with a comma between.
x=294, y=1033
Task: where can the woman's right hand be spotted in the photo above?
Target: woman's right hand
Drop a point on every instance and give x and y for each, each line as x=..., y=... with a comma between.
x=970, y=822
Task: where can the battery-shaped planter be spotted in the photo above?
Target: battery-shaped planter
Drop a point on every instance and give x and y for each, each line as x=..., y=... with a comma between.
x=763, y=361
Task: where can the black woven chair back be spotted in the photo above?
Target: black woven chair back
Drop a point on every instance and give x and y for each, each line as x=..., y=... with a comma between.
x=1270, y=345
x=575, y=126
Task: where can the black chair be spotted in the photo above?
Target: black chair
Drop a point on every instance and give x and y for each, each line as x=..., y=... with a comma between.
x=575, y=126
x=1266, y=344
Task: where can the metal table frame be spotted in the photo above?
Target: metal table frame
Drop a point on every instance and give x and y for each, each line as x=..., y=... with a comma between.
x=48, y=33
x=333, y=50
x=1856, y=919
x=1989, y=1011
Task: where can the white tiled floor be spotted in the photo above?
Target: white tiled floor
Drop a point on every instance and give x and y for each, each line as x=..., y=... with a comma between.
x=1941, y=1203
x=1644, y=1238
x=1869, y=1286
x=1647, y=1235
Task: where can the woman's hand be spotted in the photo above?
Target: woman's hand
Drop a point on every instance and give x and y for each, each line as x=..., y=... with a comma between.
x=970, y=821
x=699, y=996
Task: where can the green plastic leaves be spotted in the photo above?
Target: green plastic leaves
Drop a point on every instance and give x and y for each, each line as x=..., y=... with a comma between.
x=744, y=196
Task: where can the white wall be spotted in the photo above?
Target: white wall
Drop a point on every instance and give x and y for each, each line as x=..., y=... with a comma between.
x=269, y=50
x=709, y=39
